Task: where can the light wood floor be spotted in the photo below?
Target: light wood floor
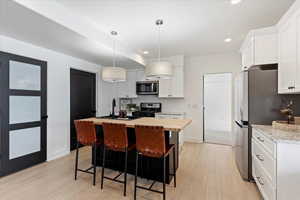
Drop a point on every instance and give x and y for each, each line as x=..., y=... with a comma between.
x=207, y=172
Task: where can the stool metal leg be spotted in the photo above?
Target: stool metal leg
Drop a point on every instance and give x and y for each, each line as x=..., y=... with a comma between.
x=142, y=166
x=94, y=164
x=76, y=160
x=164, y=179
x=136, y=173
x=103, y=167
x=174, y=167
x=125, y=171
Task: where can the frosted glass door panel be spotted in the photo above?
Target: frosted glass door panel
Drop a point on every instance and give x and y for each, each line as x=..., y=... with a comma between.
x=23, y=76
x=24, y=109
x=24, y=141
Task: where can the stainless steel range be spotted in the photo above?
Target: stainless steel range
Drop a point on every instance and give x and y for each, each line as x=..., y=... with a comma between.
x=147, y=110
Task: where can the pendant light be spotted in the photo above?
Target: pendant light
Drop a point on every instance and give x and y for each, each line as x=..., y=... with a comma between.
x=113, y=74
x=159, y=69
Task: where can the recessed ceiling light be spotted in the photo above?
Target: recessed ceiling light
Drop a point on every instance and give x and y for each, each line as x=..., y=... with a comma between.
x=145, y=52
x=228, y=40
x=233, y=2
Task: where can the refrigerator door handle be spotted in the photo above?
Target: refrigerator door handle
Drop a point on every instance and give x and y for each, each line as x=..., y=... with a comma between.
x=239, y=124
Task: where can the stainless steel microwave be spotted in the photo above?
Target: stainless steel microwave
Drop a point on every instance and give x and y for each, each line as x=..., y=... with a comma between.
x=147, y=87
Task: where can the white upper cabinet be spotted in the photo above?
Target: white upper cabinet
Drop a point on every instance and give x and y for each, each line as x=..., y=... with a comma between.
x=174, y=87
x=165, y=88
x=131, y=78
x=127, y=89
x=266, y=48
x=289, y=55
x=140, y=74
x=248, y=53
x=178, y=82
x=170, y=88
x=297, y=74
x=260, y=48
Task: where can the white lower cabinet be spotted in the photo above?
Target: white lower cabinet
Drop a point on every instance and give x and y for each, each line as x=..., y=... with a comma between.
x=174, y=116
x=263, y=183
x=275, y=167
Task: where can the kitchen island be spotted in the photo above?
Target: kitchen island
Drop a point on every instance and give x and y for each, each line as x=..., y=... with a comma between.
x=149, y=168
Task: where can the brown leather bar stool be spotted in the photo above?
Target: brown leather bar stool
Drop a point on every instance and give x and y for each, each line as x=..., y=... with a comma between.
x=86, y=135
x=151, y=142
x=116, y=139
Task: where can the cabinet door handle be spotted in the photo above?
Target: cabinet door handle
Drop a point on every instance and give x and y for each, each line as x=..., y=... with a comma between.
x=260, y=139
x=260, y=157
x=260, y=180
x=292, y=87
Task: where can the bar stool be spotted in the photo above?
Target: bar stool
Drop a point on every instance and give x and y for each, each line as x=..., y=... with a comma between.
x=86, y=135
x=150, y=142
x=116, y=139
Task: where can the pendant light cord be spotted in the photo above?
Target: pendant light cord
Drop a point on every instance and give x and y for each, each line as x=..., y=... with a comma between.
x=158, y=43
x=114, y=34
x=114, y=53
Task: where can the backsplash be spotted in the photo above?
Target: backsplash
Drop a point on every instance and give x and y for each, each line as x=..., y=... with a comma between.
x=296, y=103
x=168, y=105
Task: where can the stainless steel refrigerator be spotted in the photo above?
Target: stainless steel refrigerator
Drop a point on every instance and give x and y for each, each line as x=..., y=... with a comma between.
x=256, y=102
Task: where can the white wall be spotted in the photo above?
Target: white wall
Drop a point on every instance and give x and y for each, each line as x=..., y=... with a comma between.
x=195, y=67
x=58, y=90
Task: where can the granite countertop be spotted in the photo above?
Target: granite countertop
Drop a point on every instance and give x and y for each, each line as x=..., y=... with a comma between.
x=278, y=135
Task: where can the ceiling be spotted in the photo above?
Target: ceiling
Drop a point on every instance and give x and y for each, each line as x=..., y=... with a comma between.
x=192, y=27
x=21, y=23
x=81, y=28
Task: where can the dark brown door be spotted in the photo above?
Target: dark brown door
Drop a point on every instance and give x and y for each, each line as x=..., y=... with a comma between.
x=23, y=112
x=83, y=99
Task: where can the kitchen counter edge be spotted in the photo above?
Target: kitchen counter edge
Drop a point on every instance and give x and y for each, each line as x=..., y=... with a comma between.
x=277, y=135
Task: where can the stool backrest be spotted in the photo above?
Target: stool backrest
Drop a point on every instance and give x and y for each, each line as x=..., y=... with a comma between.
x=86, y=132
x=150, y=140
x=115, y=136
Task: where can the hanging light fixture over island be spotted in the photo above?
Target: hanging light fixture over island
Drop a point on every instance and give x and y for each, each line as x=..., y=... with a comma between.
x=114, y=74
x=159, y=69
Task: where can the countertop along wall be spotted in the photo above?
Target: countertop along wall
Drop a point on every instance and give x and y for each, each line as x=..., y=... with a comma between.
x=58, y=91
x=194, y=68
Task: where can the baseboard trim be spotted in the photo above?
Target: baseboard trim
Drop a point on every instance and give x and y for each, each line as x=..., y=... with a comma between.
x=57, y=155
x=193, y=140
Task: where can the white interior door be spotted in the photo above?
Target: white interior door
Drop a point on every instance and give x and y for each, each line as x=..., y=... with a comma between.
x=218, y=108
